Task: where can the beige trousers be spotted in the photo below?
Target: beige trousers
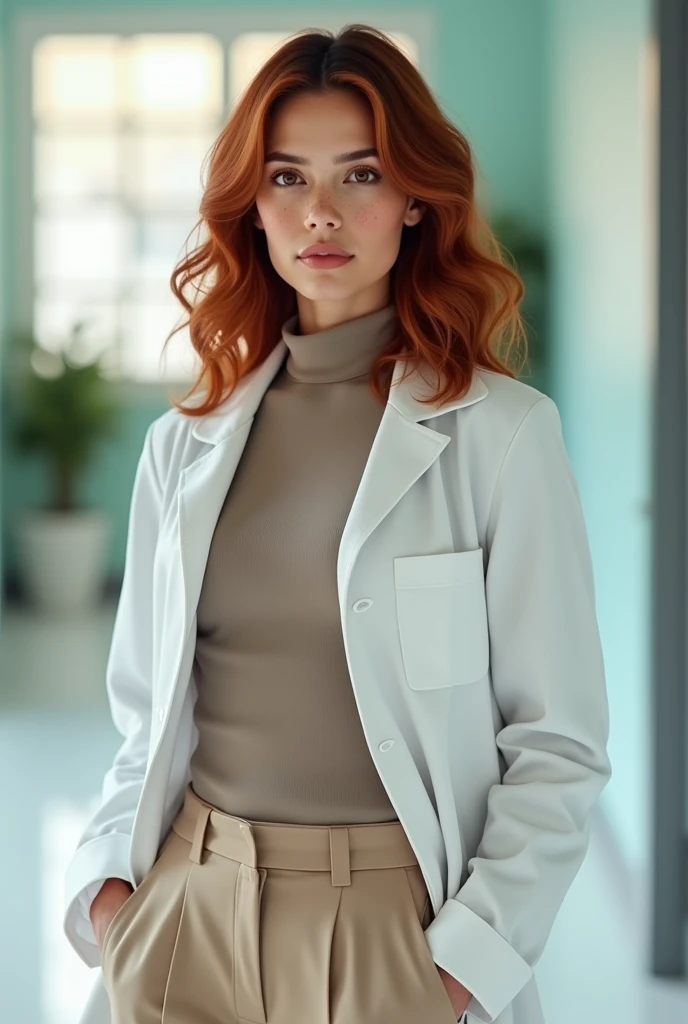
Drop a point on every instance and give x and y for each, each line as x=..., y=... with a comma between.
x=270, y=923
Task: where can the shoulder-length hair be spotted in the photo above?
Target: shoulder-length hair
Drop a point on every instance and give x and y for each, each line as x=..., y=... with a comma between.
x=454, y=291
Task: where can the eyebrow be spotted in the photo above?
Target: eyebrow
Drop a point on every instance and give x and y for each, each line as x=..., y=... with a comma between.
x=343, y=158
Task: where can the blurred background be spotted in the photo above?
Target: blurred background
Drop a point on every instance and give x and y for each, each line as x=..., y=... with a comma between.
x=578, y=119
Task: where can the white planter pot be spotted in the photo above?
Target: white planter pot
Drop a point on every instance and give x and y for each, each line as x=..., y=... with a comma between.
x=62, y=558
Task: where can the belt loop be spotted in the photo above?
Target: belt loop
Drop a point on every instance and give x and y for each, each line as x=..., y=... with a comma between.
x=340, y=864
x=196, y=852
x=250, y=839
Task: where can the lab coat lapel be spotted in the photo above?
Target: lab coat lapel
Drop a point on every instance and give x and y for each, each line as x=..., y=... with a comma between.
x=401, y=452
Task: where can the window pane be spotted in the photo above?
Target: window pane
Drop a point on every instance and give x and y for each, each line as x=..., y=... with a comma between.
x=160, y=167
x=69, y=164
x=92, y=245
x=73, y=74
x=160, y=241
x=55, y=316
x=147, y=320
x=174, y=74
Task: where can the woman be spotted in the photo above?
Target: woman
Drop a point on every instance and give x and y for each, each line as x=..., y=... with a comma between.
x=361, y=689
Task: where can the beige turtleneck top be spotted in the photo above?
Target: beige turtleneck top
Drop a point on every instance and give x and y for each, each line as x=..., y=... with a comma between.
x=279, y=734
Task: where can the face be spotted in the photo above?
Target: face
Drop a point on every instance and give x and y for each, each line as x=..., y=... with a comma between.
x=307, y=196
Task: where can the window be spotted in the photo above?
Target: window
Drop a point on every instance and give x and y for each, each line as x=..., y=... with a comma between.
x=121, y=126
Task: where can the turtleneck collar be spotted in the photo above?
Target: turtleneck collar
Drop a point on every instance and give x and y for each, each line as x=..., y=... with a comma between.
x=341, y=352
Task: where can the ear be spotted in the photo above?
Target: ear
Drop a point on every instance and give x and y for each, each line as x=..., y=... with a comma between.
x=414, y=211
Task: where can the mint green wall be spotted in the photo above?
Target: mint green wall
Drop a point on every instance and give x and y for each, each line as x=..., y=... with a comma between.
x=490, y=81
x=602, y=348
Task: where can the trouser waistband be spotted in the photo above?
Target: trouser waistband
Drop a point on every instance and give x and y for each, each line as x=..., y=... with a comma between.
x=338, y=849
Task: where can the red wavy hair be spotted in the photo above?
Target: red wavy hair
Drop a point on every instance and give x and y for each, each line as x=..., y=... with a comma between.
x=453, y=288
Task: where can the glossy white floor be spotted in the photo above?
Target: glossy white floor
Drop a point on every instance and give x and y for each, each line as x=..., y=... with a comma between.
x=56, y=739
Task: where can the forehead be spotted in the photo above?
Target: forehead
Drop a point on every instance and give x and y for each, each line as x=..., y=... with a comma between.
x=330, y=123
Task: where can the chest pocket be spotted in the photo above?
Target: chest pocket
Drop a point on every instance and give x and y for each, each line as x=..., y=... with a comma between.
x=442, y=618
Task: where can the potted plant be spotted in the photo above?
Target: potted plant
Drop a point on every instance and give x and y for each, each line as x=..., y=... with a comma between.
x=64, y=407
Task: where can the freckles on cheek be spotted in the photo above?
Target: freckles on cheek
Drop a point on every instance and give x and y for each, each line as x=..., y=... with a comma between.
x=367, y=217
x=375, y=220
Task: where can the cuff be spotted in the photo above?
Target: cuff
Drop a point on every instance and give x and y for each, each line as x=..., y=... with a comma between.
x=104, y=857
x=477, y=956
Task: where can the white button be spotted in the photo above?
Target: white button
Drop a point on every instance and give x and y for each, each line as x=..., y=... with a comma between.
x=161, y=714
x=385, y=745
x=362, y=605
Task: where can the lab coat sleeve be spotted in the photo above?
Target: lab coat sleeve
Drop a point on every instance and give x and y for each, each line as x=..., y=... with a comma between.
x=103, y=848
x=548, y=677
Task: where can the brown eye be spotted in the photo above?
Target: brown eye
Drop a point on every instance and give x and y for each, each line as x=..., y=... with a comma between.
x=278, y=173
x=356, y=170
x=366, y=170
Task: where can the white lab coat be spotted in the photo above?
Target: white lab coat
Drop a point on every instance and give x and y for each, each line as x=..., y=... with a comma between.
x=468, y=617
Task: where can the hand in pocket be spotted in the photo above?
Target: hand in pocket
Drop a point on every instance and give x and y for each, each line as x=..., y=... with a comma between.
x=112, y=895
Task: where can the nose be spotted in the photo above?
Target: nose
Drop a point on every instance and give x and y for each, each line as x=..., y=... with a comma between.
x=322, y=213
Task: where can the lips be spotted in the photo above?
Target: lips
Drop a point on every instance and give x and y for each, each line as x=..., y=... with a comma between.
x=323, y=249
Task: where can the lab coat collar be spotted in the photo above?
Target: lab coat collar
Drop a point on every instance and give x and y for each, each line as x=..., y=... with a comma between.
x=243, y=402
